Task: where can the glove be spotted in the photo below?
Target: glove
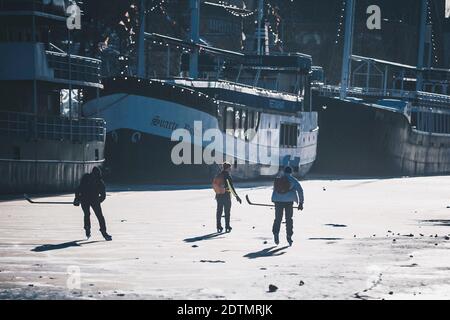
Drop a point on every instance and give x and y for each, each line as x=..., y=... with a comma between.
x=300, y=207
x=239, y=200
x=76, y=202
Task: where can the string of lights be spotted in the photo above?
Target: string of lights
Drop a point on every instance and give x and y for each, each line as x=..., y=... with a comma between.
x=166, y=45
x=274, y=30
x=433, y=38
x=340, y=24
x=156, y=4
x=235, y=10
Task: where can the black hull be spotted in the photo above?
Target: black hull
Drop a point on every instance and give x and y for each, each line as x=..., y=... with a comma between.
x=149, y=161
x=358, y=139
x=46, y=166
x=43, y=176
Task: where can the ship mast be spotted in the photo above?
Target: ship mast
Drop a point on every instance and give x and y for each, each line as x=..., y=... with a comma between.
x=141, y=44
x=348, y=46
x=195, y=37
x=422, y=34
x=259, y=33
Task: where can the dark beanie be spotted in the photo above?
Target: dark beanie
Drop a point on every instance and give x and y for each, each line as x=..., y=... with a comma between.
x=288, y=170
x=97, y=172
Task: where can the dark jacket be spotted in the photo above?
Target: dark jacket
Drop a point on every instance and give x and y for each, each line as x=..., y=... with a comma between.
x=91, y=189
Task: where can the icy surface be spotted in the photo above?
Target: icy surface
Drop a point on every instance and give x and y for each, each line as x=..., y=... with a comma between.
x=356, y=239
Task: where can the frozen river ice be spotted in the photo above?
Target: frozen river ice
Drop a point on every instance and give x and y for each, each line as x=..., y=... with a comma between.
x=356, y=239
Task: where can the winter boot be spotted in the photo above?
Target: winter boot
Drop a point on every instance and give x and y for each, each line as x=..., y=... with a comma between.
x=289, y=240
x=106, y=236
x=276, y=239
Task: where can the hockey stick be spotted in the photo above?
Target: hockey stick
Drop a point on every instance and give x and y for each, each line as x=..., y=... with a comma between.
x=260, y=204
x=42, y=202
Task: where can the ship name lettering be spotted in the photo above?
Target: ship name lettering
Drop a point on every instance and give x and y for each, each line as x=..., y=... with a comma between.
x=166, y=124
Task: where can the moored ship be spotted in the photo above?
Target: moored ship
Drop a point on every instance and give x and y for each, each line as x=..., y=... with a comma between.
x=46, y=142
x=261, y=100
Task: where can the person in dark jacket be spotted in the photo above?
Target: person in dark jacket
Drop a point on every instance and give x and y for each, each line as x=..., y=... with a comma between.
x=224, y=200
x=91, y=193
x=284, y=201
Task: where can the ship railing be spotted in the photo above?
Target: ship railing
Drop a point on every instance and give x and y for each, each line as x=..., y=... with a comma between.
x=424, y=120
x=231, y=84
x=433, y=98
x=81, y=68
x=330, y=90
x=43, y=127
x=420, y=96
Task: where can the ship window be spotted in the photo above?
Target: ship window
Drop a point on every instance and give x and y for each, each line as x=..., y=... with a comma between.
x=414, y=119
x=237, y=119
x=224, y=119
x=244, y=120
x=293, y=136
x=229, y=118
x=288, y=135
x=221, y=117
x=256, y=120
x=250, y=119
x=250, y=122
x=243, y=124
x=249, y=130
x=237, y=122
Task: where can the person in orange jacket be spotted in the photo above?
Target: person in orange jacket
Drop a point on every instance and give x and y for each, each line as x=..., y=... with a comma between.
x=224, y=188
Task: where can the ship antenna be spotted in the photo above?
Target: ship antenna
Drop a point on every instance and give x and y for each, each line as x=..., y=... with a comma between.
x=348, y=46
x=259, y=33
x=421, y=54
x=195, y=37
x=141, y=48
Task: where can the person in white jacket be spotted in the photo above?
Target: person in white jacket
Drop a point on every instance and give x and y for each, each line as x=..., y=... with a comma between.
x=286, y=191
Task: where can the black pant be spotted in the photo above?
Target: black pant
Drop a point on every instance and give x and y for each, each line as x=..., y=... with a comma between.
x=223, y=203
x=98, y=212
x=287, y=207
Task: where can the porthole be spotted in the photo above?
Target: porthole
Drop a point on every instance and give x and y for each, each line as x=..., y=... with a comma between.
x=136, y=137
